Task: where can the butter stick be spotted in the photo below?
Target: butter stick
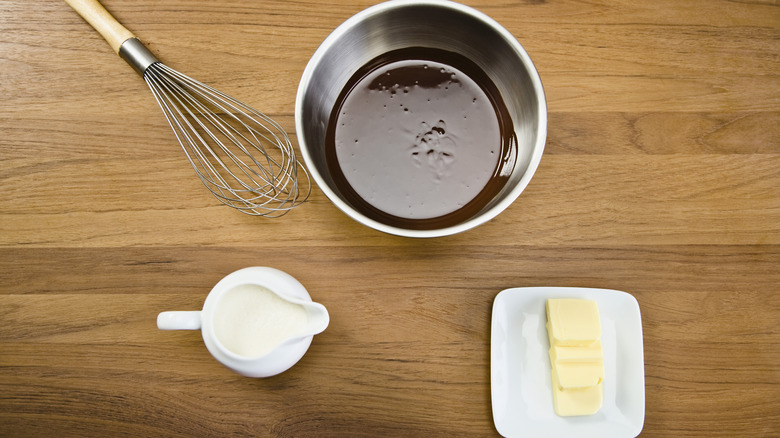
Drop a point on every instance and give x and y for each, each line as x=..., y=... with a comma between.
x=576, y=356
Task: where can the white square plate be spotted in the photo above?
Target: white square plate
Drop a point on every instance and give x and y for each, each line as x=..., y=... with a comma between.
x=521, y=386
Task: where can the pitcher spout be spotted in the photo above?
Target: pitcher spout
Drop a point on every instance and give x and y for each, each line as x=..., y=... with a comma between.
x=318, y=318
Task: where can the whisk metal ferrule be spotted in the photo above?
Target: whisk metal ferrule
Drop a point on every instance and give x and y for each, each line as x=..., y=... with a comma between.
x=137, y=55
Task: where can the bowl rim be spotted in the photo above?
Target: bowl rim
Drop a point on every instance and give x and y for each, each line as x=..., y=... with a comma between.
x=484, y=216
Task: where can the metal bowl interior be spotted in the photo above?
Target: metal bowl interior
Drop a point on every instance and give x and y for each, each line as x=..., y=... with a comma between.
x=433, y=24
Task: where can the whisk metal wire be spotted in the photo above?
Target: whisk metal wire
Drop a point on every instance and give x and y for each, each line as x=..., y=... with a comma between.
x=207, y=122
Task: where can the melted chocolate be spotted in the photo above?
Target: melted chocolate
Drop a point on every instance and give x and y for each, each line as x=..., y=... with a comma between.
x=420, y=139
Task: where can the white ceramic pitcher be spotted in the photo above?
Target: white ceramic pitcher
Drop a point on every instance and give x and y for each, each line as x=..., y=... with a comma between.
x=286, y=353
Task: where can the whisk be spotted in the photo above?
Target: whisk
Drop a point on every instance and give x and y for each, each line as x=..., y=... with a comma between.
x=241, y=155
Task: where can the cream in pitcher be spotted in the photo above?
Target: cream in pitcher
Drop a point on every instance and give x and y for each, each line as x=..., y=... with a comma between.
x=256, y=321
x=250, y=320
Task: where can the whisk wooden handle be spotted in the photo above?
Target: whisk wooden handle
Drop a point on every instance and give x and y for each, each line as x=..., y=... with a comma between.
x=103, y=22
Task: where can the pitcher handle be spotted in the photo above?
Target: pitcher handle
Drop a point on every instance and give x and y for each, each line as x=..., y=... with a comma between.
x=179, y=320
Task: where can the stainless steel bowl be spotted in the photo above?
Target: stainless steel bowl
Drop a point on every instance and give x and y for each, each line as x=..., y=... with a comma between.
x=434, y=24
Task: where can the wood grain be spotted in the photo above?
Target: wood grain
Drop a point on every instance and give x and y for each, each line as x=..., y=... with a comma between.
x=661, y=177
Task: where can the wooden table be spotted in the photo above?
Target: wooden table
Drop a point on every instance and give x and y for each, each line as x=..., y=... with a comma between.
x=661, y=178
